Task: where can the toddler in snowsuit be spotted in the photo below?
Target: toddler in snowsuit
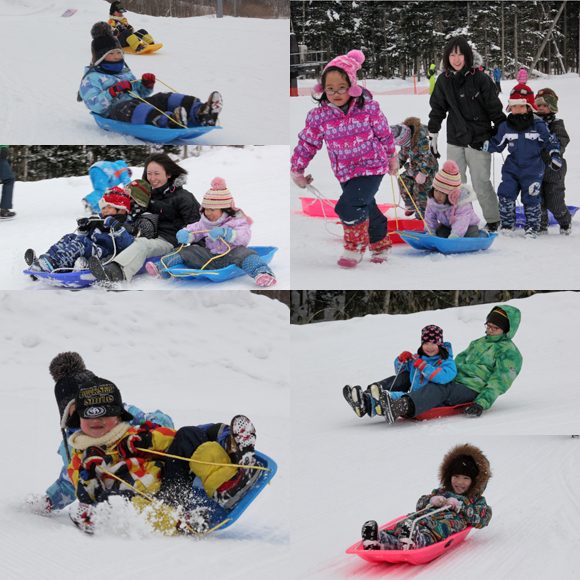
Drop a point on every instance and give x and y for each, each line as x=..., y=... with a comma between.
x=112, y=458
x=107, y=82
x=226, y=230
x=553, y=186
x=432, y=363
x=450, y=211
x=464, y=474
x=525, y=135
x=104, y=175
x=419, y=164
x=102, y=235
x=485, y=371
x=137, y=40
x=361, y=148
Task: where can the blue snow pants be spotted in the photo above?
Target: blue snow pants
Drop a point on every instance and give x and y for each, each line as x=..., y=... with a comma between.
x=434, y=395
x=528, y=180
x=72, y=246
x=357, y=205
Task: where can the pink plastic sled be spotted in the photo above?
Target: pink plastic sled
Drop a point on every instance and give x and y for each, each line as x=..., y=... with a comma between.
x=441, y=412
x=417, y=557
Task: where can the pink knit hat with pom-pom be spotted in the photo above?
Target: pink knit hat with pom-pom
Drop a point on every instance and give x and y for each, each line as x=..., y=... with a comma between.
x=220, y=197
x=448, y=180
x=349, y=63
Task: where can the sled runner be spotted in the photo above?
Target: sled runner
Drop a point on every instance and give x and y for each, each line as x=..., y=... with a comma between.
x=265, y=252
x=148, y=48
x=438, y=412
x=521, y=218
x=417, y=557
x=150, y=133
x=74, y=279
x=424, y=241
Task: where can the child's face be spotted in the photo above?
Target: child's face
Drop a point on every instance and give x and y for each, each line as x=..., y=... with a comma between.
x=543, y=109
x=430, y=348
x=156, y=175
x=460, y=484
x=109, y=210
x=492, y=330
x=117, y=14
x=439, y=196
x=333, y=82
x=212, y=213
x=519, y=109
x=99, y=426
x=115, y=55
x=456, y=59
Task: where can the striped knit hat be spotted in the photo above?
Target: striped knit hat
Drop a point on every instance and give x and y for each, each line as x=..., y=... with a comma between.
x=115, y=197
x=522, y=76
x=402, y=135
x=218, y=196
x=448, y=181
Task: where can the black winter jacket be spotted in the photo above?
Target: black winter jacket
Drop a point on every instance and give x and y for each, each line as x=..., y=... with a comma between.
x=175, y=206
x=555, y=126
x=470, y=98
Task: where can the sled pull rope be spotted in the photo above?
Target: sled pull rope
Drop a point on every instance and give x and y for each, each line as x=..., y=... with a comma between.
x=422, y=218
x=395, y=203
x=141, y=99
x=322, y=200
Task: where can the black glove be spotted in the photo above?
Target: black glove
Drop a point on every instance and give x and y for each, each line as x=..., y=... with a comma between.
x=474, y=410
x=83, y=224
x=92, y=457
x=133, y=445
x=555, y=161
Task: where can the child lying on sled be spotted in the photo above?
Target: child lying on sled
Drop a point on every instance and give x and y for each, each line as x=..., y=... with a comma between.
x=112, y=458
x=106, y=84
x=464, y=473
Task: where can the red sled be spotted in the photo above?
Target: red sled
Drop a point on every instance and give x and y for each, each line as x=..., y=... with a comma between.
x=437, y=412
x=417, y=557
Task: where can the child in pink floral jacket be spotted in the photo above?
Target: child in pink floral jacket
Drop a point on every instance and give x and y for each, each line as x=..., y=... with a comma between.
x=449, y=212
x=226, y=230
x=361, y=148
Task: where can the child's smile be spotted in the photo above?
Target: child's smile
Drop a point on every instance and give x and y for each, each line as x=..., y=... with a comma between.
x=212, y=214
x=98, y=427
x=335, y=82
x=460, y=484
x=430, y=348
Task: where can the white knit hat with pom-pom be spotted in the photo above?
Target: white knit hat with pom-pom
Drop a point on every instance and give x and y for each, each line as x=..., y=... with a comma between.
x=349, y=63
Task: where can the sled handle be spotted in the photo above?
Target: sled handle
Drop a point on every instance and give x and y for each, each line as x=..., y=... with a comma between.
x=445, y=507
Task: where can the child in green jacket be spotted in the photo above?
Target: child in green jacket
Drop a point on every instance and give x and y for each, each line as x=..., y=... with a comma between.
x=485, y=371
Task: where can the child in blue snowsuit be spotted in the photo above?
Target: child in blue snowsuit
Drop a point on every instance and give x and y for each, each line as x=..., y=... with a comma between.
x=108, y=81
x=525, y=135
x=101, y=236
x=432, y=363
x=104, y=175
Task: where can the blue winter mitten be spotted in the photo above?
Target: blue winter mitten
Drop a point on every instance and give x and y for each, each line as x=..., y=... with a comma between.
x=555, y=161
x=225, y=233
x=452, y=237
x=111, y=223
x=184, y=237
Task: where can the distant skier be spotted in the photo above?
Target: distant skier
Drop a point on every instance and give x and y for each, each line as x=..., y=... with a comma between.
x=432, y=76
x=497, y=78
x=137, y=40
x=104, y=175
x=7, y=181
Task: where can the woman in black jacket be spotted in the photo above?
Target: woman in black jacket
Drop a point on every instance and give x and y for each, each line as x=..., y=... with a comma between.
x=175, y=206
x=470, y=98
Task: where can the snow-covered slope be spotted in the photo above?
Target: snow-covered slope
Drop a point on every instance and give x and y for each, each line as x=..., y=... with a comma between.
x=351, y=469
x=200, y=357
x=510, y=262
x=44, y=55
x=256, y=176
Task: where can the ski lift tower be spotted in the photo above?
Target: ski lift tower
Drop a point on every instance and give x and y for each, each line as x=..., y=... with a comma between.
x=299, y=63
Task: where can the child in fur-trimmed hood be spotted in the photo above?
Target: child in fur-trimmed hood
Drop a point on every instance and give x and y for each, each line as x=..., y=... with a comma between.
x=464, y=474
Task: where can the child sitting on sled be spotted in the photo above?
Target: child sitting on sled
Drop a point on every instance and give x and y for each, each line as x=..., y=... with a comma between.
x=107, y=82
x=450, y=211
x=464, y=473
x=112, y=458
x=419, y=164
x=485, y=371
x=226, y=230
x=137, y=40
x=101, y=235
x=361, y=147
x=432, y=363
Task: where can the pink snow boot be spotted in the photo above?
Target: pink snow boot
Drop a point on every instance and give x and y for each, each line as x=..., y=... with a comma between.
x=356, y=240
x=380, y=250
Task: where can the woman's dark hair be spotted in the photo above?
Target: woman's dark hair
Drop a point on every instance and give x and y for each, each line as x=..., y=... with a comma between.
x=360, y=101
x=227, y=210
x=171, y=168
x=459, y=43
x=431, y=194
x=443, y=352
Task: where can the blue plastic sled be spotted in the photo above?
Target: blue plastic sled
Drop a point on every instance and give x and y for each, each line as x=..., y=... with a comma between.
x=423, y=241
x=78, y=279
x=265, y=252
x=521, y=218
x=217, y=514
x=150, y=133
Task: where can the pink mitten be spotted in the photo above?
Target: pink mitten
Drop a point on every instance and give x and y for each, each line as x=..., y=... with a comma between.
x=420, y=178
x=437, y=501
x=393, y=165
x=455, y=504
x=300, y=179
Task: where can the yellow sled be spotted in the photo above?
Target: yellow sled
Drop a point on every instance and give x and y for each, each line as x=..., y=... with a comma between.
x=148, y=48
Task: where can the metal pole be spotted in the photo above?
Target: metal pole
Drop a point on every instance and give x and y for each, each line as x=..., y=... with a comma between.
x=220, y=8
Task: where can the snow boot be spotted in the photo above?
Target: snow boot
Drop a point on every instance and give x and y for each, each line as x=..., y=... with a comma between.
x=230, y=493
x=566, y=230
x=46, y=263
x=379, y=250
x=83, y=517
x=394, y=408
x=177, y=119
x=507, y=213
x=81, y=264
x=354, y=396
x=376, y=391
x=370, y=535
x=356, y=240
x=408, y=541
x=31, y=261
x=241, y=442
x=194, y=522
x=265, y=280
x=7, y=214
x=491, y=227
x=533, y=221
x=257, y=269
x=110, y=273
x=207, y=114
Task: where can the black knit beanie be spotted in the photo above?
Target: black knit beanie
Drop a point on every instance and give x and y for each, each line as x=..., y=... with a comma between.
x=499, y=318
x=103, y=41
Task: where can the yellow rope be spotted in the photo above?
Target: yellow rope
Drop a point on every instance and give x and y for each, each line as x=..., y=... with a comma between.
x=420, y=214
x=394, y=202
x=159, y=80
x=141, y=99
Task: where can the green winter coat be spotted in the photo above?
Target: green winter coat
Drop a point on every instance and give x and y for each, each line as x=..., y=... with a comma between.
x=432, y=78
x=491, y=364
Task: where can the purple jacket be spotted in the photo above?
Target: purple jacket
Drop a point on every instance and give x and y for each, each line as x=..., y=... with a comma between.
x=462, y=212
x=239, y=224
x=358, y=142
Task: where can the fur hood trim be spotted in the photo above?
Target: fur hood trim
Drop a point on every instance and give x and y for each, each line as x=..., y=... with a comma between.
x=478, y=486
x=180, y=180
x=415, y=123
x=466, y=195
x=81, y=441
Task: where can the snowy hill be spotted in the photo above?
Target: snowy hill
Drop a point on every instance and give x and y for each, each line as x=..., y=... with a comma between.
x=256, y=176
x=40, y=78
x=353, y=469
x=200, y=359
x=510, y=262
